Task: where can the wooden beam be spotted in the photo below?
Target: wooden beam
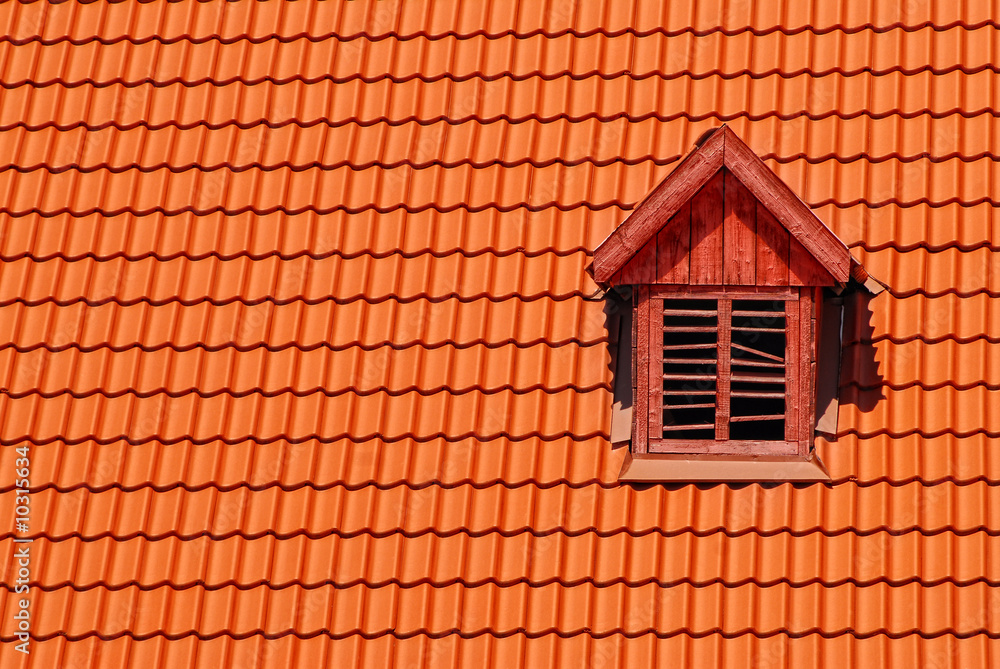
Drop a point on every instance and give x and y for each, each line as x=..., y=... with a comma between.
x=641, y=401
x=662, y=203
x=707, y=446
x=655, y=408
x=790, y=211
x=807, y=361
x=659, y=468
x=792, y=370
x=723, y=370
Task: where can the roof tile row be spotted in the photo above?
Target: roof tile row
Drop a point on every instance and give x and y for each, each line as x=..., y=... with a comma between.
x=468, y=509
x=392, y=322
x=614, y=651
x=523, y=558
x=714, y=97
x=522, y=187
x=375, y=279
x=482, y=144
x=861, y=611
x=333, y=278
x=192, y=20
x=656, y=55
x=446, y=368
x=317, y=236
x=485, y=414
x=562, y=462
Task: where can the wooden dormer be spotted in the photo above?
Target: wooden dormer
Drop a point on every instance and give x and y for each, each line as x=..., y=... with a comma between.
x=727, y=268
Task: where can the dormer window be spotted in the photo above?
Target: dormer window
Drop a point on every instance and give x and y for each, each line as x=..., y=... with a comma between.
x=727, y=270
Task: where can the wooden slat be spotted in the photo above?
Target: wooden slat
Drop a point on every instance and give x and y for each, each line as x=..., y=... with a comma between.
x=691, y=361
x=739, y=233
x=758, y=363
x=673, y=248
x=747, y=419
x=772, y=250
x=685, y=347
x=795, y=216
x=642, y=348
x=804, y=269
x=759, y=329
x=696, y=426
x=662, y=203
x=690, y=312
x=758, y=394
x=724, y=368
x=729, y=447
x=689, y=406
x=792, y=370
x=688, y=328
x=689, y=377
x=761, y=314
x=706, y=233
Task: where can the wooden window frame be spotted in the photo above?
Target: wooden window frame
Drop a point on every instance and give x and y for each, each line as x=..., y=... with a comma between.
x=800, y=357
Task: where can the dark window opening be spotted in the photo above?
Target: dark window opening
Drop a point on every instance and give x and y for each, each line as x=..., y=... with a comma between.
x=757, y=391
x=752, y=396
x=690, y=368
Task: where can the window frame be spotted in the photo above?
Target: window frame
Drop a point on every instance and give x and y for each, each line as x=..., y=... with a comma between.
x=800, y=328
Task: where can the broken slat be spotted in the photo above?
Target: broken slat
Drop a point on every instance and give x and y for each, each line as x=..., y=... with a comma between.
x=762, y=354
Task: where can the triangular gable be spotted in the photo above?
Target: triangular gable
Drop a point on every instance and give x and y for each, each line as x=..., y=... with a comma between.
x=723, y=236
x=723, y=156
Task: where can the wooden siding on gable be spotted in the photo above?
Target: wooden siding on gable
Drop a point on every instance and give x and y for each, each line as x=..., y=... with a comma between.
x=706, y=232
x=724, y=236
x=673, y=258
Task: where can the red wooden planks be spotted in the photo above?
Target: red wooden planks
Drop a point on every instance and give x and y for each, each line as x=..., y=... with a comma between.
x=642, y=267
x=804, y=269
x=772, y=250
x=706, y=233
x=673, y=245
x=739, y=234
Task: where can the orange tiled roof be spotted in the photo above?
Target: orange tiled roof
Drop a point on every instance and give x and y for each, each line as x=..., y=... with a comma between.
x=294, y=317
